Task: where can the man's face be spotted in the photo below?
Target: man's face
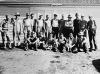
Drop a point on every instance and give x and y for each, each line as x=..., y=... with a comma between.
x=55, y=17
x=47, y=17
x=77, y=16
x=32, y=16
x=90, y=18
x=62, y=16
x=71, y=35
x=7, y=16
x=82, y=17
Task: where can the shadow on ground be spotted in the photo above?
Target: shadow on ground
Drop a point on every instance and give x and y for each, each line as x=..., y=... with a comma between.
x=96, y=64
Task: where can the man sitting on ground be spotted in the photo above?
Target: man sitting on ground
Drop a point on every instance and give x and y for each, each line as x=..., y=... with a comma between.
x=71, y=43
x=82, y=42
x=62, y=42
x=52, y=43
x=32, y=41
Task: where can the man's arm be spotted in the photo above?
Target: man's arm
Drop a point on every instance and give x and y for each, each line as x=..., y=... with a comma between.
x=95, y=24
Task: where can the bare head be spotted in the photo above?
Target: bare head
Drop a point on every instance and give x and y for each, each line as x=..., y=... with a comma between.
x=77, y=15
x=90, y=17
x=47, y=16
x=32, y=15
x=62, y=16
x=55, y=16
x=82, y=17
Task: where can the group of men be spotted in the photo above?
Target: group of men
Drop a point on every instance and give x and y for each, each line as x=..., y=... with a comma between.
x=55, y=34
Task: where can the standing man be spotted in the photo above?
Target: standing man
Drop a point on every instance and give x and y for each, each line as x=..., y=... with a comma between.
x=91, y=25
x=27, y=27
x=5, y=31
x=48, y=26
x=40, y=25
x=68, y=26
x=17, y=28
x=55, y=26
x=61, y=24
x=83, y=26
x=76, y=24
x=33, y=22
x=83, y=23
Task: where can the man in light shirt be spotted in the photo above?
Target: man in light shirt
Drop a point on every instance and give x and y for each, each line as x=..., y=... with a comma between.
x=27, y=27
x=33, y=22
x=40, y=25
x=55, y=26
x=48, y=26
x=17, y=28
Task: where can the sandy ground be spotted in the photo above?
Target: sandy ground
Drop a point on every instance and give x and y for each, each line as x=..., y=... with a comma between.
x=47, y=62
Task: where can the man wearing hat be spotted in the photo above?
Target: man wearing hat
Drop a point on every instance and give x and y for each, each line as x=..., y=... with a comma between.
x=82, y=42
x=55, y=26
x=17, y=28
x=91, y=25
x=33, y=22
x=76, y=24
x=40, y=25
x=5, y=31
x=27, y=27
x=68, y=26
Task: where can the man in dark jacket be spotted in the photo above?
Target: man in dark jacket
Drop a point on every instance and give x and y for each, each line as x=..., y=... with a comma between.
x=76, y=24
x=91, y=25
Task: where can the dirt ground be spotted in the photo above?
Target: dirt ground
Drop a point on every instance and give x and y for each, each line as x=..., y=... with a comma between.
x=47, y=62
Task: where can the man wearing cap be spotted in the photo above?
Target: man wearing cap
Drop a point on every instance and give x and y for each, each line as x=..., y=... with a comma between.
x=61, y=24
x=5, y=31
x=82, y=42
x=27, y=27
x=40, y=25
x=33, y=22
x=55, y=26
x=48, y=26
x=68, y=26
x=76, y=24
x=17, y=28
x=91, y=25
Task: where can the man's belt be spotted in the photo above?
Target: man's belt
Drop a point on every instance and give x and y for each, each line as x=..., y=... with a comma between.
x=4, y=28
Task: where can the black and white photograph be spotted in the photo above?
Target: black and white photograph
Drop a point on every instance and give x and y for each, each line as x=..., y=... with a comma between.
x=49, y=36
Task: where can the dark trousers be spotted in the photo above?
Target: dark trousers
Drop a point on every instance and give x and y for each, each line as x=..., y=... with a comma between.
x=92, y=39
x=55, y=31
x=76, y=31
x=67, y=31
x=61, y=47
x=84, y=47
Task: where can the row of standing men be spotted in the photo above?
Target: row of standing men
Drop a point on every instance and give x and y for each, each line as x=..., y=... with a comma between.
x=47, y=26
